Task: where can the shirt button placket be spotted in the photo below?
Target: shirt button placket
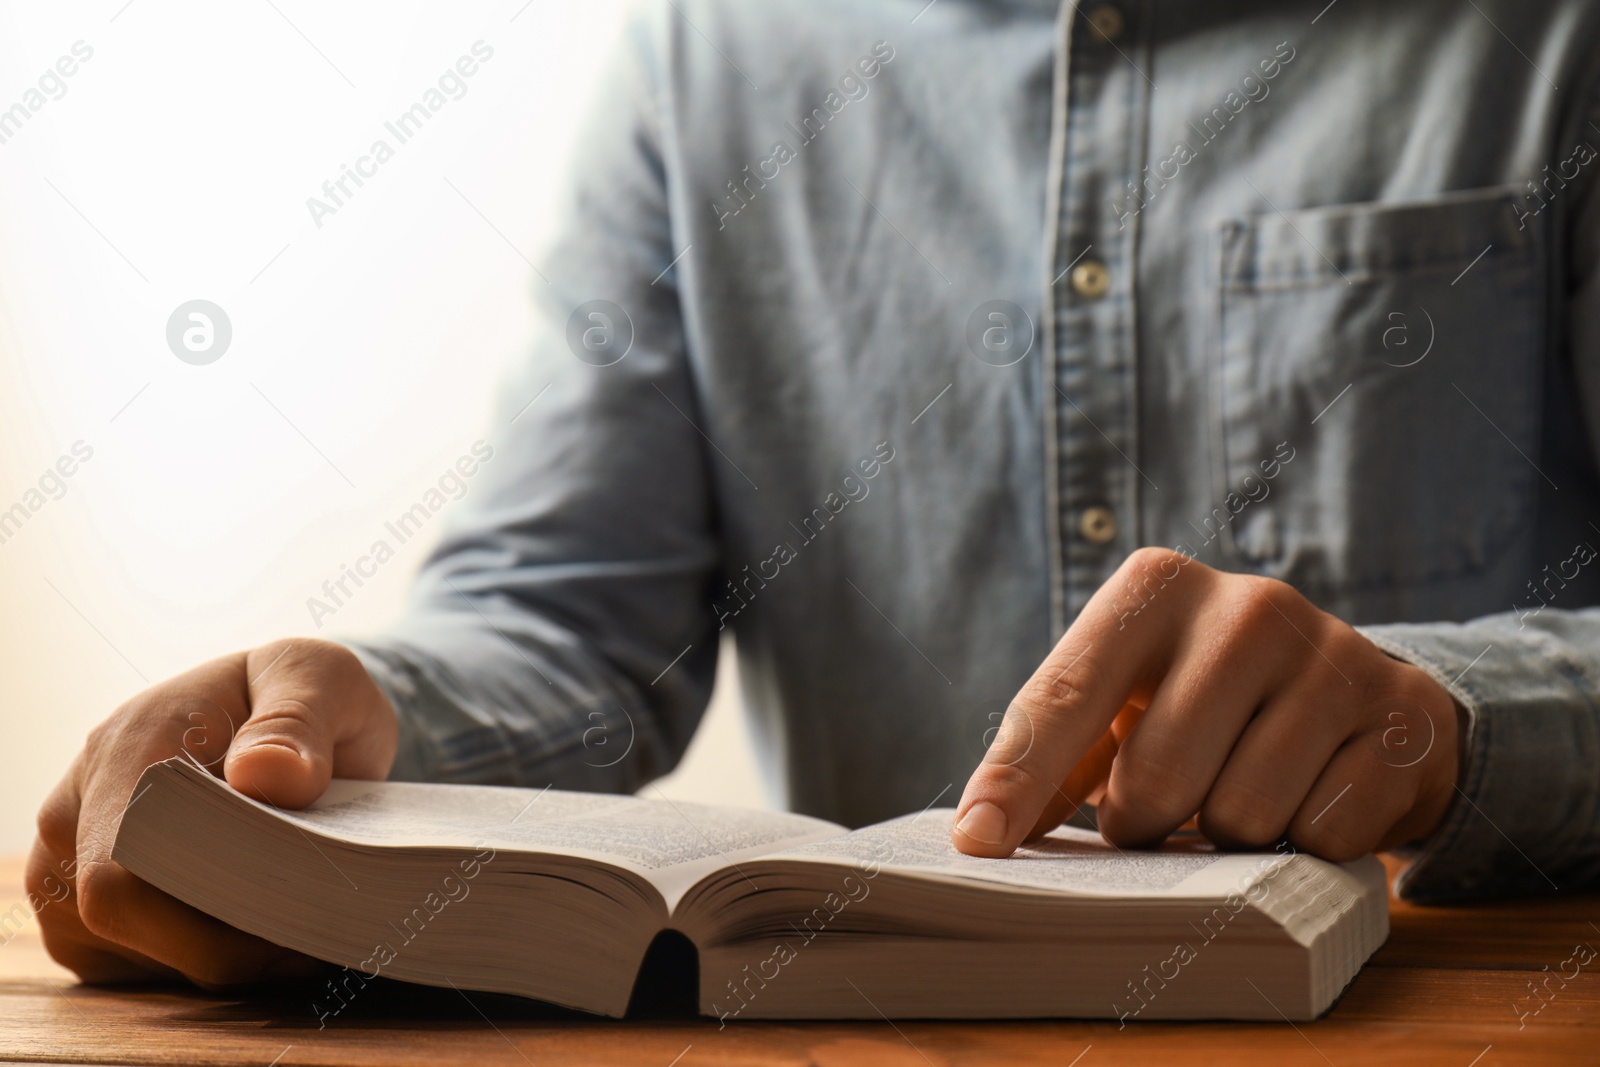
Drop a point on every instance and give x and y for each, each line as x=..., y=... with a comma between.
x=1095, y=381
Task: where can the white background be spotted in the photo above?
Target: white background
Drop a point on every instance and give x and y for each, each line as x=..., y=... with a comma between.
x=219, y=498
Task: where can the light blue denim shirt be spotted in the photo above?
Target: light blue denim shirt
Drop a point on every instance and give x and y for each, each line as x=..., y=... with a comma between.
x=879, y=333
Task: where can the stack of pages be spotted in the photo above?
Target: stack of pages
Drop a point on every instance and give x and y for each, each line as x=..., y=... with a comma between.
x=559, y=896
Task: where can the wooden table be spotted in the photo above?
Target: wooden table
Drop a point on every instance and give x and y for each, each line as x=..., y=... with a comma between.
x=1446, y=989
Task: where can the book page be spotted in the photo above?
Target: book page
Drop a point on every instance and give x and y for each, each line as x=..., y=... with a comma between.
x=672, y=843
x=1067, y=860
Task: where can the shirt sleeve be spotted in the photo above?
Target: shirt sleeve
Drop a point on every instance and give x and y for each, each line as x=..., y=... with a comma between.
x=561, y=632
x=1526, y=815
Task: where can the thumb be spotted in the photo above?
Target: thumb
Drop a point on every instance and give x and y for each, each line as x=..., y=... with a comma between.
x=314, y=713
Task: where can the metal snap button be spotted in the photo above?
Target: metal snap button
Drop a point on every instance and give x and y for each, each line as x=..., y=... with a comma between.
x=1091, y=279
x=1098, y=524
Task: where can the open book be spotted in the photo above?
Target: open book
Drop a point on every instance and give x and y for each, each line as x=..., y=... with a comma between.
x=559, y=896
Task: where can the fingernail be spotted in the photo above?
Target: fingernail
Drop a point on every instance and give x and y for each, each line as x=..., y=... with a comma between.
x=285, y=744
x=984, y=822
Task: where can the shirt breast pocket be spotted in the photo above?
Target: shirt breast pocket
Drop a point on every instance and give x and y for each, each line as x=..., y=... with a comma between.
x=1393, y=352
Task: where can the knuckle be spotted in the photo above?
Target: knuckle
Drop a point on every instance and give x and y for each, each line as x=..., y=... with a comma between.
x=1274, y=589
x=1011, y=778
x=1258, y=603
x=58, y=829
x=1153, y=565
x=1159, y=788
x=1329, y=838
x=41, y=883
x=1243, y=814
x=1130, y=827
x=100, y=735
x=1046, y=690
x=1141, y=559
x=280, y=712
x=97, y=888
x=103, y=909
x=1062, y=678
x=1014, y=739
x=307, y=654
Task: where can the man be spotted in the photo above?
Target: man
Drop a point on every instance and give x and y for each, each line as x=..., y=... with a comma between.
x=891, y=336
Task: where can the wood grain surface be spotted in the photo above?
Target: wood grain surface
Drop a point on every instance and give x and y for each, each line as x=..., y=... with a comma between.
x=1452, y=986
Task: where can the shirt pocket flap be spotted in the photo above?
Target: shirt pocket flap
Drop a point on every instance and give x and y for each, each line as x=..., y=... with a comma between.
x=1356, y=243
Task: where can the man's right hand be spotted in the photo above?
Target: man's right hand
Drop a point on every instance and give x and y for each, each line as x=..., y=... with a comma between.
x=277, y=722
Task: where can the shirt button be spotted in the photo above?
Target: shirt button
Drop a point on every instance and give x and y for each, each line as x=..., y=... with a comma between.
x=1098, y=525
x=1107, y=22
x=1090, y=279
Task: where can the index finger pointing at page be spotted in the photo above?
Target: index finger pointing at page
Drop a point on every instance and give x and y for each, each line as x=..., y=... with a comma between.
x=1068, y=705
